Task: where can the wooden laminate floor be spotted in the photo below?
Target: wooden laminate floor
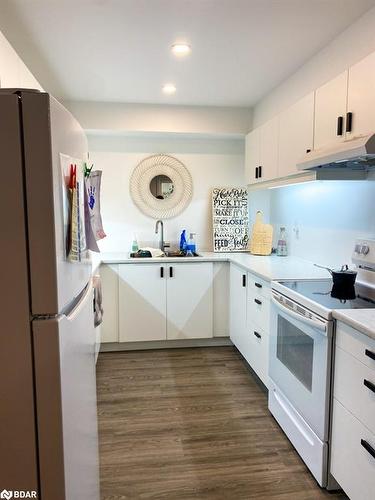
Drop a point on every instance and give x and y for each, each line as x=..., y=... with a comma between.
x=192, y=424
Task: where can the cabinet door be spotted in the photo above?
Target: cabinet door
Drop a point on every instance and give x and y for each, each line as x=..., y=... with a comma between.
x=330, y=108
x=220, y=299
x=361, y=96
x=238, y=310
x=296, y=134
x=269, y=150
x=109, y=279
x=189, y=301
x=142, y=302
x=252, y=156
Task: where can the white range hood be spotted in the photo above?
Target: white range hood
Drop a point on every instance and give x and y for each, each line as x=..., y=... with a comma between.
x=357, y=153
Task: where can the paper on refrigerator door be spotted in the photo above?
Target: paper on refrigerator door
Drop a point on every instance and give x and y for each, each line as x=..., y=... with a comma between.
x=93, y=218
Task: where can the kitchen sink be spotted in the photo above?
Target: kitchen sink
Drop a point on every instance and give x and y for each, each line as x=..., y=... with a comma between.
x=145, y=254
x=180, y=254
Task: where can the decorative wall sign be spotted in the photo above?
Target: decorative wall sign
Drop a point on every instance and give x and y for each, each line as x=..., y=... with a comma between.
x=230, y=219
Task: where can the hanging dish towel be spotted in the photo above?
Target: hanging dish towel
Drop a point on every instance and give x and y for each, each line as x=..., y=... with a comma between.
x=93, y=218
x=155, y=252
x=98, y=301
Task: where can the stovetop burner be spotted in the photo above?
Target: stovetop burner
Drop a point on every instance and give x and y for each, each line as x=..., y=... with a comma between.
x=332, y=297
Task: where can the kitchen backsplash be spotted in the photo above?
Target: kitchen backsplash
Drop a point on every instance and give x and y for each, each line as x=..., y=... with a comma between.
x=322, y=218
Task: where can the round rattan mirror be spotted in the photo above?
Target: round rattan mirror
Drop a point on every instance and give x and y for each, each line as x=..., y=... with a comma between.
x=161, y=186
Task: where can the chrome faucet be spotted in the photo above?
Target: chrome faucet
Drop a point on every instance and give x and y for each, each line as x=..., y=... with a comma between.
x=161, y=240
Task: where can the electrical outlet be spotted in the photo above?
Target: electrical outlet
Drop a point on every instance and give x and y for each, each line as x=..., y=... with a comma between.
x=296, y=230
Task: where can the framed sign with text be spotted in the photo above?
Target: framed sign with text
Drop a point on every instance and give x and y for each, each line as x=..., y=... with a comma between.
x=230, y=219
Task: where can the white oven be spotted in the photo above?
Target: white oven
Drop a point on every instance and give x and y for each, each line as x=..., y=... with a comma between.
x=300, y=373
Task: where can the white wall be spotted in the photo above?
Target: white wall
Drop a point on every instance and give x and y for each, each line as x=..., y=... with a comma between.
x=119, y=117
x=211, y=162
x=13, y=72
x=349, y=47
x=329, y=216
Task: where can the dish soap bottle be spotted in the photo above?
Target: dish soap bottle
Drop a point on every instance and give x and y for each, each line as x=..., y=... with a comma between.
x=183, y=241
x=191, y=246
x=282, y=249
x=135, y=247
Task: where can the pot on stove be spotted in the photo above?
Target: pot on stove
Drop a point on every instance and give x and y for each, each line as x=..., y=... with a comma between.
x=344, y=277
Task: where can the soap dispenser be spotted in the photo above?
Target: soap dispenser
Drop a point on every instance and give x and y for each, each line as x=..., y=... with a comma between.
x=135, y=247
x=191, y=246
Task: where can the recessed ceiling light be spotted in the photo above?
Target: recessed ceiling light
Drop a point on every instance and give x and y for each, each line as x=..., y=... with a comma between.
x=169, y=88
x=181, y=49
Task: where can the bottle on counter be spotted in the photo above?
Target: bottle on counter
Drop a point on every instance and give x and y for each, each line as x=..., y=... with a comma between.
x=282, y=249
x=135, y=247
x=191, y=247
x=183, y=243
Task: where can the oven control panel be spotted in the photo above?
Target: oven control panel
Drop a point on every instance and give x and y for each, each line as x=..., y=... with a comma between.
x=364, y=253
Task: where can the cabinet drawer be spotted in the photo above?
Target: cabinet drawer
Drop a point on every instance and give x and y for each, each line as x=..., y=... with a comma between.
x=258, y=311
x=354, y=387
x=258, y=353
x=352, y=465
x=258, y=286
x=355, y=343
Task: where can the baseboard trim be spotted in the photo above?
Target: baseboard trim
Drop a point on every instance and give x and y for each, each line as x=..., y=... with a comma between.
x=165, y=344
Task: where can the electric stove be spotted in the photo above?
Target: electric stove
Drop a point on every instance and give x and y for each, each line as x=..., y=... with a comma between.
x=330, y=296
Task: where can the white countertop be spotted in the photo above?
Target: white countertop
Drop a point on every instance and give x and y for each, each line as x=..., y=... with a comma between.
x=267, y=267
x=362, y=320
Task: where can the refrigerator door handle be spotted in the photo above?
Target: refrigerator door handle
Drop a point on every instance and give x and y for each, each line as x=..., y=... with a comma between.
x=88, y=292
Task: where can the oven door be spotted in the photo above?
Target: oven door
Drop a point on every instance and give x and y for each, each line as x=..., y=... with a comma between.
x=300, y=361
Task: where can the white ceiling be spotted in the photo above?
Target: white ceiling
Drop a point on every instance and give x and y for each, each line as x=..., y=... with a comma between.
x=118, y=50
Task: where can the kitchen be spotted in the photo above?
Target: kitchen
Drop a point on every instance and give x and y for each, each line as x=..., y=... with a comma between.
x=224, y=375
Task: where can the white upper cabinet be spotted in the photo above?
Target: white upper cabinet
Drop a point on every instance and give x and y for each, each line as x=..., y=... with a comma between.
x=252, y=156
x=262, y=151
x=361, y=97
x=330, y=111
x=269, y=150
x=296, y=134
x=340, y=109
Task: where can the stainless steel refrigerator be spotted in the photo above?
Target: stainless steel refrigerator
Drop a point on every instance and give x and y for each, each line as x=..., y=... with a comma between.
x=48, y=420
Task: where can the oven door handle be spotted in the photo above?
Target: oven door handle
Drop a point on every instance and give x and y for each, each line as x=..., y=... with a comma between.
x=315, y=323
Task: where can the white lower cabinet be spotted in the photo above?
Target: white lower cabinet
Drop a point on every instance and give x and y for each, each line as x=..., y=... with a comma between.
x=352, y=465
x=258, y=325
x=142, y=302
x=221, y=299
x=165, y=301
x=189, y=301
x=258, y=352
x=238, y=309
x=353, y=427
x=249, y=319
x=109, y=326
